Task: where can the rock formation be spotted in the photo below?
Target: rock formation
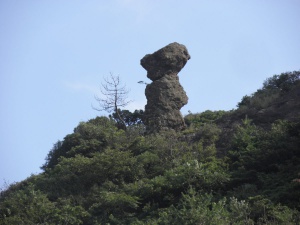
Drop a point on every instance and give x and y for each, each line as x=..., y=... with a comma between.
x=165, y=96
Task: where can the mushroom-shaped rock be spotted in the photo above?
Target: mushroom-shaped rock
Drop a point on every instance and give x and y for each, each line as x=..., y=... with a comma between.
x=168, y=60
x=165, y=96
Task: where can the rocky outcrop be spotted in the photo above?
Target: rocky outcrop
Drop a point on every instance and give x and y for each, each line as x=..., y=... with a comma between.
x=165, y=96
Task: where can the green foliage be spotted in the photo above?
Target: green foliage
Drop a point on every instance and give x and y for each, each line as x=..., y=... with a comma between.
x=130, y=118
x=30, y=206
x=269, y=160
x=113, y=207
x=246, y=101
x=244, y=144
x=78, y=174
x=263, y=211
x=283, y=82
x=88, y=138
x=199, y=119
x=197, y=208
x=208, y=134
x=212, y=173
x=272, y=89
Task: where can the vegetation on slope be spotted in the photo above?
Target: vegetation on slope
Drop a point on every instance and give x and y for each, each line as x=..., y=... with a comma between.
x=237, y=167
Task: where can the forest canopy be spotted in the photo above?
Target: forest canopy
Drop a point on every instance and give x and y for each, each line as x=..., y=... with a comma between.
x=227, y=167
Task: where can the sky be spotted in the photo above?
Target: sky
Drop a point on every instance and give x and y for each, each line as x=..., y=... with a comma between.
x=55, y=54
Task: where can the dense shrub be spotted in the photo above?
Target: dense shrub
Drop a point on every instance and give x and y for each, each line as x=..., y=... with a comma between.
x=100, y=174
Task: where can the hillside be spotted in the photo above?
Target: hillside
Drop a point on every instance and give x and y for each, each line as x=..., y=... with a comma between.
x=279, y=98
x=228, y=167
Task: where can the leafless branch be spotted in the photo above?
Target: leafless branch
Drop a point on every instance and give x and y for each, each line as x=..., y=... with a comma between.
x=114, y=96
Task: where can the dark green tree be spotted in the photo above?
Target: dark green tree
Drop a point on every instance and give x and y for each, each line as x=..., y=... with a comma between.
x=130, y=118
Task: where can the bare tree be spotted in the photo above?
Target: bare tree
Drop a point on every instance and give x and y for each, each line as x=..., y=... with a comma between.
x=114, y=97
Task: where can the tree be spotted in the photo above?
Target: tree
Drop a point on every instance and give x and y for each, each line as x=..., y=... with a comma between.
x=31, y=206
x=283, y=82
x=130, y=118
x=114, y=97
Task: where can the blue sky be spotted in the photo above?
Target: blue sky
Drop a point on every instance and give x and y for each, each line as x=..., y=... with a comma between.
x=54, y=55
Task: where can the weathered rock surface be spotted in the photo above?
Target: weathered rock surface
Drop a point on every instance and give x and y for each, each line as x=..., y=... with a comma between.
x=165, y=96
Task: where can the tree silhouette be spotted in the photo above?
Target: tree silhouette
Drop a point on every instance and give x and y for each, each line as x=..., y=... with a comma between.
x=114, y=97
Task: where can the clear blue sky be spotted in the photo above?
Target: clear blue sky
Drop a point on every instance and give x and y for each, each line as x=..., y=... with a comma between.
x=54, y=55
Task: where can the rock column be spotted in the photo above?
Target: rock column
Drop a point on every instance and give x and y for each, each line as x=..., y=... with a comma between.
x=165, y=96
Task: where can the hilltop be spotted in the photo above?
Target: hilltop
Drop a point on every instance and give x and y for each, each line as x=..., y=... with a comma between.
x=227, y=167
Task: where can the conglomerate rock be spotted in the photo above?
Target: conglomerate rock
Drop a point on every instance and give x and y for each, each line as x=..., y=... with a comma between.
x=165, y=96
